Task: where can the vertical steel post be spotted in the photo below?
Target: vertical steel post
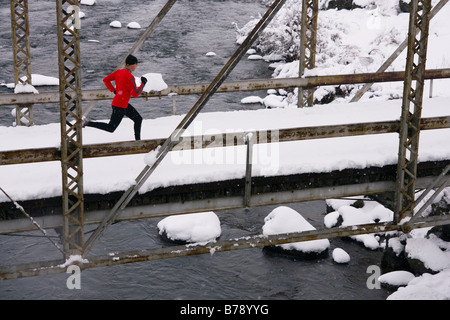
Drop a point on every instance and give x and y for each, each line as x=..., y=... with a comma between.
x=22, y=59
x=249, y=140
x=412, y=109
x=308, y=40
x=71, y=125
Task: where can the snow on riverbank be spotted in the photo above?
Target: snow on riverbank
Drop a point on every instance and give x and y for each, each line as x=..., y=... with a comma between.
x=348, y=42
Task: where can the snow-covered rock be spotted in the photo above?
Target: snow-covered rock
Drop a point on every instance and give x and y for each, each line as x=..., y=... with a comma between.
x=196, y=227
x=284, y=220
x=115, y=24
x=133, y=25
x=340, y=256
x=396, y=278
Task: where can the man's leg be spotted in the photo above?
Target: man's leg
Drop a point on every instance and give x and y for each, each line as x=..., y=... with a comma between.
x=116, y=118
x=134, y=115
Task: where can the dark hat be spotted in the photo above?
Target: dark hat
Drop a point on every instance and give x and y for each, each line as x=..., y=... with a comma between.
x=131, y=60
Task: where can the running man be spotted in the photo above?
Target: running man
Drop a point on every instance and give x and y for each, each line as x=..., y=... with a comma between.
x=125, y=88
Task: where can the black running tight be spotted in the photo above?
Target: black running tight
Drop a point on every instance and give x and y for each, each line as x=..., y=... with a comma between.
x=116, y=117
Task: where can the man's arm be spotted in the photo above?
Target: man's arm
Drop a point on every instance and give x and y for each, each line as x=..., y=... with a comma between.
x=137, y=91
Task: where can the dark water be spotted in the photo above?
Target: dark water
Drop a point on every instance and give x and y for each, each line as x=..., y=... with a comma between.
x=177, y=50
x=244, y=274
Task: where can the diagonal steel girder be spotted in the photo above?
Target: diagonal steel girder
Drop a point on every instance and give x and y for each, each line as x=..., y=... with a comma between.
x=187, y=120
x=412, y=109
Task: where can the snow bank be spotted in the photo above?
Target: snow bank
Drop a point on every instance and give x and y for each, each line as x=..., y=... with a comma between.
x=197, y=227
x=36, y=80
x=425, y=287
x=428, y=251
x=348, y=42
x=285, y=220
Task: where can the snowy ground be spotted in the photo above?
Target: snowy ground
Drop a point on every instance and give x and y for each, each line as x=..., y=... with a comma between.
x=349, y=42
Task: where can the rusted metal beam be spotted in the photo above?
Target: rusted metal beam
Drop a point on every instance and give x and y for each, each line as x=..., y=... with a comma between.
x=22, y=56
x=247, y=242
x=308, y=40
x=69, y=63
x=216, y=140
x=234, y=86
x=410, y=119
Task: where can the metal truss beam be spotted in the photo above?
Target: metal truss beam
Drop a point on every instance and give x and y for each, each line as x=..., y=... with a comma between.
x=412, y=109
x=22, y=58
x=71, y=126
x=308, y=40
x=233, y=86
x=193, y=142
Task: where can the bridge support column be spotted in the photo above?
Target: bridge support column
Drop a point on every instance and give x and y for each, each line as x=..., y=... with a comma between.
x=412, y=109
x=22, y=59
x=71, y=125
x=308, y=40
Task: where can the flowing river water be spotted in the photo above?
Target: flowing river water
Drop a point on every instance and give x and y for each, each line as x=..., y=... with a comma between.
x=176, y=50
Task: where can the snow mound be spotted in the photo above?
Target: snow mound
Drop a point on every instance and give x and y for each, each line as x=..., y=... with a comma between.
x=41, y=80
x=255, y=57
x=252, y=99
x=115, y=24
x=197, y=227
x=396, y=278
x=284, y=220
x=340, y=256
x=88, y=2
x=133, y=25
x=155, y=82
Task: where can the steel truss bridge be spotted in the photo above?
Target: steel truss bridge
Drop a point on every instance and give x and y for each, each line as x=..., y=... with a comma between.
x=74, y=209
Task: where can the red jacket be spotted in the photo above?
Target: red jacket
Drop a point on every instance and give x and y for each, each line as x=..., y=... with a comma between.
x=125, y=87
